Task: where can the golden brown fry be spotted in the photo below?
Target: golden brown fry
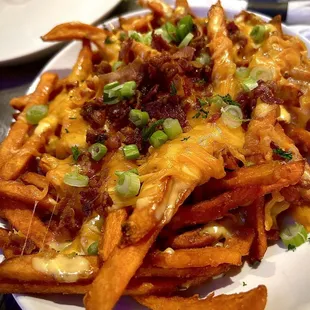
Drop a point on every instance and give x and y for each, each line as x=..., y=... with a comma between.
x=28, y=194
x=35, y=179
x=206, y=211
x=77, y=31
x=182, y=8
x=221, y=47
x=300, y=136
x=158, y=7
x=209, y=256
x=196, y=238
x=256, y=219
x=15, y=165
x=4, y=237
x=20, y=268
x=116, y=273
x=112, y=233
x=241, y=241
x=140, y=24
x=41, y=94
x=207, y=272
x=254, y=299
x=23, y=220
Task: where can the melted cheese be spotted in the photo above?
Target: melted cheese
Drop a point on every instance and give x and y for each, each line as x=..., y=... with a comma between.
x=217, y=230
x=301, y=214
x=63, y=268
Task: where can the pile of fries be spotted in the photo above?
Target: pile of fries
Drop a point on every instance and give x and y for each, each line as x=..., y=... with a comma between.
x=167, y=157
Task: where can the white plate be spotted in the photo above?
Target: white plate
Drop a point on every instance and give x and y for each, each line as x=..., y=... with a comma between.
x=286, y=274
x=19, y=20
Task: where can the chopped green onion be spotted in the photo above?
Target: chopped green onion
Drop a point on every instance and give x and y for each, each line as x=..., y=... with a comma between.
x=249, y=84
x=97, y=151
x=137, y=36
x=131, y=151
x=185, y=26
x=294, y=235
x=172, y=128
x=242, y=72
x=35, y=113
x=76, y=179
x=163, y=33
x=116, y=65
x=258, y=33
x=286, y=155
x=138, y=117
x=186, y=40
x=128, y=184
x=173, y=89
x=228, y=100
x=110, y=86
x=134, y=170
x=93, y=248
x=171, y=31
x=262, y=73
x=147, y=38
x=148, y=131
x=75, y=152
x=217, y=102
x=128, y=89
x=158, y=138
x=232, y=116
x=204, y=59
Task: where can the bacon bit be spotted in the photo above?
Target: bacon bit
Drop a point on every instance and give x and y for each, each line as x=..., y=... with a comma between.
x=113, y=142
x=94, y=113
x=102, y=67
x=96, y=135
x=214, y=117
x=126, y=54
x=159, y=43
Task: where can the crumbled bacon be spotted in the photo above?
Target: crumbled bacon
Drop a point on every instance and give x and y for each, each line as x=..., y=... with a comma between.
x=96, y=135
x=102, y=68
x=159, y=43
x=126, y=54
x=94, y=113
x=118, y=113
x=132, y=136
x=88, y=198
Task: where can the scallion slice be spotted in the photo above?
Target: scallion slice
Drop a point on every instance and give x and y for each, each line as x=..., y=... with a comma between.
x=172, y=128
x=158, y=138
x=163, y=33
x=76, y=179
x=294, y=235
x=110, y=86
x=138, y=117
x=128, y=89
x=131, y=151
x=232, y=116
x=35, y=113
x=97, y=151
x=128, y=184
x=93, y=248
x=249, y=84
x=116, y=65
x=204, y=59
x=258, y=33
x=185, y=26
x=171, y=31
x=242, y=72
x=137, y=36
x=186, y=40
x=262, y=73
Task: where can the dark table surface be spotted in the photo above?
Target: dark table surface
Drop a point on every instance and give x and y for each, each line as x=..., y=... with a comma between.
x=14, y=81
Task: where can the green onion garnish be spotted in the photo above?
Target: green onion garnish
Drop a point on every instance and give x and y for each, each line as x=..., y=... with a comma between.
x=76, y=179
x=186, y=40
x=262, y=73
x=232, y=116
x=171, y=31
x=249, y=84
x=294, y=235
x=185, y=26
x=284, y=154
x=158, y=138
x=128, y=184
x=35, y=113
x=258, y=33
x=228, y=100
x=131, y=151
x=137, y=36
x=97, y=151
x=172, y=128
x=148, y=131
x=110, y=86
x=138, y=117
x=242, y=72
x=204, y=59
x=93, y=248
x=128, y=89
x=116, y=65
x=163, y=33
x=75, y=152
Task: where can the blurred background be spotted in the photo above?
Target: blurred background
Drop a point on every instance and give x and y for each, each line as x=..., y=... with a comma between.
x=23, y=55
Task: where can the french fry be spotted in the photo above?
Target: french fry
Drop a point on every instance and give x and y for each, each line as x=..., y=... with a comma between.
x=35, y=179
x=206, y=211
x=256, y=219
x=116, y=273
x=41, y=94
x=207, y=272
x=112, y=233
x=15, y=165
x=25, y=221
x=191, y=239
x=254, y=299
x=77, y=31
x=208, y=256
x=241, y=241
x=20, y=269
x=4, y=237
x=158, y=7
x=28, y=194
x=300, y=136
